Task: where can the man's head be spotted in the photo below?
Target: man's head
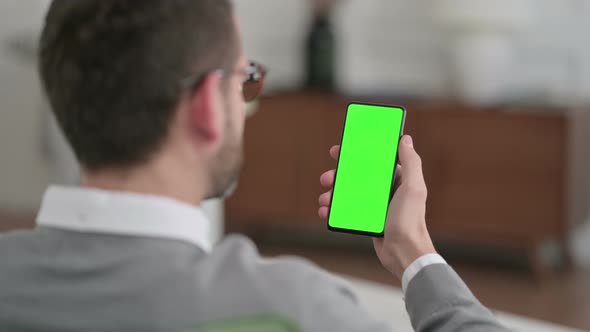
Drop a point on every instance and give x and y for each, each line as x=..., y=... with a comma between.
x=131, y=80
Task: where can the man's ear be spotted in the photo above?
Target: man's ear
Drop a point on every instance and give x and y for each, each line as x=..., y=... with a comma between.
x=205, y=108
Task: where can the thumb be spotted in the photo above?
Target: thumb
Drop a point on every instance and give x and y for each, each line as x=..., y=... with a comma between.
x=411, y=162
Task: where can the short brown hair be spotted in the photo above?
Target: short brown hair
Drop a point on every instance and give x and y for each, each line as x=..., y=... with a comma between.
x=113, y=69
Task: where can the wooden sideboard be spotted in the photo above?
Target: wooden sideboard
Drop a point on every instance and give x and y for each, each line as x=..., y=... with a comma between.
x=496, y=176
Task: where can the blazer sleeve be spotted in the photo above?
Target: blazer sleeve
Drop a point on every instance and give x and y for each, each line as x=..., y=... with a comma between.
x=438, y=300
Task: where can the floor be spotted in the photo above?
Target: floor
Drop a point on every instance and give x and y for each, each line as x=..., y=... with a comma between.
x=562, y=299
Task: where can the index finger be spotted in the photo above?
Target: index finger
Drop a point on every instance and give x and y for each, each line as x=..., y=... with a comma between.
x=335, y=152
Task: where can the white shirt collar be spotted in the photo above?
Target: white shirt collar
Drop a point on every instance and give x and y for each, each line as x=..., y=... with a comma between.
x=99, y=211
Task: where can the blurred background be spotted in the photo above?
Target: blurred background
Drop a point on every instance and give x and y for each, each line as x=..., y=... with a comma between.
x=498, y=100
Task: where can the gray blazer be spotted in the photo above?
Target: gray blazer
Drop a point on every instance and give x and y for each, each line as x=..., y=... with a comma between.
x=58, y=280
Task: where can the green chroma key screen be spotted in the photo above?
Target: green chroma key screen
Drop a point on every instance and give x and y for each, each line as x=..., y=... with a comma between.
x=366, y=167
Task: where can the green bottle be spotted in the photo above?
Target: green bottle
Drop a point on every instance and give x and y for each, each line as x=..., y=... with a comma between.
x=320, y=54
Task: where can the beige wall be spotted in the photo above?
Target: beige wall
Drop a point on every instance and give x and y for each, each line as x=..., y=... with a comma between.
x=23, y=171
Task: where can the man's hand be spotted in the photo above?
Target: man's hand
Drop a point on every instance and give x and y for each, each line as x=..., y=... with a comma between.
x=406, y=237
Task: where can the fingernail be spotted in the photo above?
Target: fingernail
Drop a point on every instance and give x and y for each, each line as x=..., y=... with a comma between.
x=408, y=140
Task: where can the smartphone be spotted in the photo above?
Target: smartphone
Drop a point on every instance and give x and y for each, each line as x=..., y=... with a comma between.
x=363, y=186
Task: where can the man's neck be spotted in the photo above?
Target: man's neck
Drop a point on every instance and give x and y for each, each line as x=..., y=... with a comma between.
x=158, y=178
